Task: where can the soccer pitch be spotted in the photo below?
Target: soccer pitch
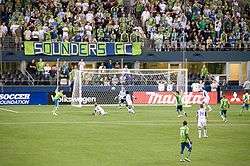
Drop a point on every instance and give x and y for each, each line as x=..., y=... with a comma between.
x=32, y=136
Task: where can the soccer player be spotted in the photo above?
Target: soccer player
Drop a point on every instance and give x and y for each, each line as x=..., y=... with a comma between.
x=179, y=107
x=122, y=97
x=129, y=103
x=206, y=99
x=224, y=105
x=202, y=121
x=185, y=142
x=246, y=101
x=55, y=99
x=99, y=110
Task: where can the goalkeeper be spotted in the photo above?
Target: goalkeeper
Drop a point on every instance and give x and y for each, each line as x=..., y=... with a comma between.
x=179, y=105
x=55, y=99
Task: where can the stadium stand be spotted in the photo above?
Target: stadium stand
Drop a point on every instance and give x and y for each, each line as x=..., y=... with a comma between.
x=169, y=25
x=163, y=25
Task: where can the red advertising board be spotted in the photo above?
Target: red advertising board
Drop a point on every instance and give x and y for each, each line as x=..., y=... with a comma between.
x=169, y=98
x=235, y=97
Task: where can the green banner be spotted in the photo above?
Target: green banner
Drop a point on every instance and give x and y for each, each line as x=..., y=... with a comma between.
x=82, y=48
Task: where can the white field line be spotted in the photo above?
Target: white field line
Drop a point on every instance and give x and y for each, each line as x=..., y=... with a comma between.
x=8, y=110
x=135, y=123
x=136, y=105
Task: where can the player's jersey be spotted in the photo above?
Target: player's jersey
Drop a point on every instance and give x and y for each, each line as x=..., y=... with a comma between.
x=129, y=99
x=122, y=95
x=184, y=134
x=224, y=104
x=99, y=109
x=201, y=113
x=58, y=95
x=178, y=100
x=246, y=99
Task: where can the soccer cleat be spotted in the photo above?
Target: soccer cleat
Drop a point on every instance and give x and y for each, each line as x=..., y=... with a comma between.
x=185, y=114
x=179, y=116
x=187, y=159
x=182, y=160
x=205, y=136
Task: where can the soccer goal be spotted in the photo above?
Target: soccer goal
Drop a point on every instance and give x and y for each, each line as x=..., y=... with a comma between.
x=148, y=86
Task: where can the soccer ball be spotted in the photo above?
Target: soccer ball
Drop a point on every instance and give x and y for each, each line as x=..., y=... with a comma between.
x=113, y=88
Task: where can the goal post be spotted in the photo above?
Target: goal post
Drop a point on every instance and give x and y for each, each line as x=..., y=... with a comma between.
x=148, y=86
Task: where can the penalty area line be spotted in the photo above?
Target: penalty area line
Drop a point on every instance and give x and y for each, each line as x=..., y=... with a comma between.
x=8, y=110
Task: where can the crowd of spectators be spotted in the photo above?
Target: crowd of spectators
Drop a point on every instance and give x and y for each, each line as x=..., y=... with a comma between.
x=46, y=73
x=13, y=78
x=195, y=24
x=69, y=20
x=166, y=24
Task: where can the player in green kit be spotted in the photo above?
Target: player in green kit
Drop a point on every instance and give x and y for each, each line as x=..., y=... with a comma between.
x=179, y=105
x=185, y=142
x=224, y=106
x=246, y=101
x=55, y=99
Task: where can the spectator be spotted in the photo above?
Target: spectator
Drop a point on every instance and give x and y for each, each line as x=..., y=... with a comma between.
x=109, y=65
x=18, y=36
x=106, y=81
x=101, y=68
x=3, y=32
x=81, y=65
x=40, y=68
x=27, y=34
x=161, y=85
x=204, y=72
x=31, y=68
x=47, y=70
x=117, y=65
x=158, y=38
x=65, y=69
x=115, y=80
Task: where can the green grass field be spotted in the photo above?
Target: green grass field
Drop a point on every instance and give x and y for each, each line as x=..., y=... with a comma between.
x=33, y=137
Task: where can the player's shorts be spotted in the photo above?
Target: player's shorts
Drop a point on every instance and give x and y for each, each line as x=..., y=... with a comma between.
x=179, y=108
x=246, y=106
x=202, y=123
x=122, y=100
x=129, y=103
x=223, y=112
x=56, y=102
x=187, y=145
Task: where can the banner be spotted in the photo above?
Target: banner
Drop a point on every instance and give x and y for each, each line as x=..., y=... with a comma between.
x=23, y=98
x=82, y=48
x=89, y=98
x=169, y=98
x=234, y=97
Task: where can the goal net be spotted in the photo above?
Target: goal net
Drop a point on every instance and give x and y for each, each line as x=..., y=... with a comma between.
x=148, y=86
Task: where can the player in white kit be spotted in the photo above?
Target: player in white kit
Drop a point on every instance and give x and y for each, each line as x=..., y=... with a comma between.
x=202, y=121
x=122, y=97
x=99, y=110
x=129, y=102
x=206, y=99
